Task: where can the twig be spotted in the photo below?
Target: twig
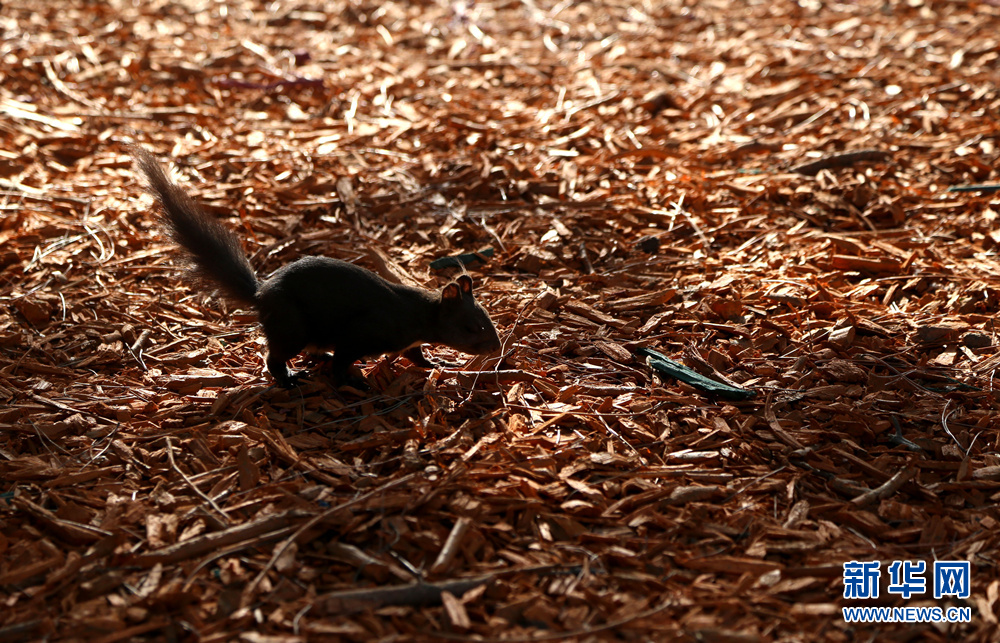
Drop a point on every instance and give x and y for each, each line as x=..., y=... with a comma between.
x=355, y=600
x=976, y=187
x=309, y=524
x=944, y=423
x=452, y=544
x=204, y=496
x=890, y=487
x=565, y=636
x=245, y=535
x=840, y=160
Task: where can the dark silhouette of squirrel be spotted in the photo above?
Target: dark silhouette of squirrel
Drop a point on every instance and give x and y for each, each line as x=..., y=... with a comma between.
x=322, y=303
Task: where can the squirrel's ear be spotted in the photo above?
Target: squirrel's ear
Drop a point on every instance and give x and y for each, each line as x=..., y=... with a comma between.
x=465, y=283
x=451, y=291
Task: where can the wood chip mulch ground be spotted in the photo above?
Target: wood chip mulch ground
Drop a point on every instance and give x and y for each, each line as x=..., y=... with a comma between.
x=797, y=199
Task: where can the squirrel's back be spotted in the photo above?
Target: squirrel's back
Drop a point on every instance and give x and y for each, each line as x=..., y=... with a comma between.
x=215, y=249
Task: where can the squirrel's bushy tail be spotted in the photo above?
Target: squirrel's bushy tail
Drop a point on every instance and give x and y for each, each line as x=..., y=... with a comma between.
x=216, y=250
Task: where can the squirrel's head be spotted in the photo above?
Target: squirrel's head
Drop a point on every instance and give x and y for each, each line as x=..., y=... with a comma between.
x=463, y=322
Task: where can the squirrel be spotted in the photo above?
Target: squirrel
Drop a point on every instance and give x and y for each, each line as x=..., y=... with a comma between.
x=319, y=302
